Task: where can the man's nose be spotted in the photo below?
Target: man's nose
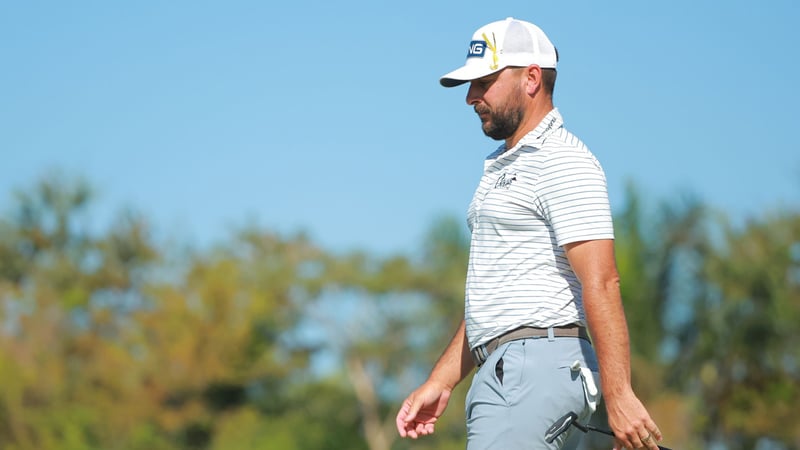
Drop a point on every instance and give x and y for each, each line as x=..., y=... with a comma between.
x=473, y=94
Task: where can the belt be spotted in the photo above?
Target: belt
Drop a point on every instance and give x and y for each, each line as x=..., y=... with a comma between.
x=481, y=353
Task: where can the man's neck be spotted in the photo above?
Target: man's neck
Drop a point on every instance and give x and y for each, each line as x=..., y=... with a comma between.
x=530, y=122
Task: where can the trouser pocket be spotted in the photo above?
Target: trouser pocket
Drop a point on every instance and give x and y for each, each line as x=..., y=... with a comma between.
x=498, y=370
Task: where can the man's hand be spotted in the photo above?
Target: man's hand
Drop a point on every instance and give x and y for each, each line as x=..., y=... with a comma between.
x=422, y=409
x=631, y=423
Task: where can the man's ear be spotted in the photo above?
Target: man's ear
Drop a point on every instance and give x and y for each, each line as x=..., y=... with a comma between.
x=533, y=75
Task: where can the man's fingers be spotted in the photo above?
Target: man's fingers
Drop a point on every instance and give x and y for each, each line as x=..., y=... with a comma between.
x=425, y=428
x=649, y=427
x=400, y=420
x=651, y=441
x=408, y=426
x=632, y=440
x=653, y=435
x=412, y=408
x=404, y=417
x=647, y=441
x=656, y=433
x=645, y=435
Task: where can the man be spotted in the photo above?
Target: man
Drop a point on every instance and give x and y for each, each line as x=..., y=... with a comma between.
x=541, y=268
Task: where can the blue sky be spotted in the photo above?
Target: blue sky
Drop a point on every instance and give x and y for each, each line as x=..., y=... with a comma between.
x=328, y=116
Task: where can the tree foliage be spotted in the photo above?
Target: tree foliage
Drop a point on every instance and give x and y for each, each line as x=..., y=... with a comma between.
x=113, y=340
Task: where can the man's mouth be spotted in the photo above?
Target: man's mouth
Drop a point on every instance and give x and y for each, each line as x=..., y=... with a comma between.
x=483, y=113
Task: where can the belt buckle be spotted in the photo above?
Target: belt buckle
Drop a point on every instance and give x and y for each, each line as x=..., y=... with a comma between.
x=480, y=355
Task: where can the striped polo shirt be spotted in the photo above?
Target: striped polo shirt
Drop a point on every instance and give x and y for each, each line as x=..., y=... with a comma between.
x=534, y=198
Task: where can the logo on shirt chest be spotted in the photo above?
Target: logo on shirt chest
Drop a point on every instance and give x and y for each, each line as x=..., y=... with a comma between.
x=505, y=180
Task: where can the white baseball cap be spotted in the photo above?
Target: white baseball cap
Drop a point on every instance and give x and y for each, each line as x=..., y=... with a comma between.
x=501, y=44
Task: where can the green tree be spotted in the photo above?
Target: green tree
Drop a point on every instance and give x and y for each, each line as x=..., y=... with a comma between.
x=746, y=357
x=104, y=346
x=110, y=340
x=384, y=321
x=58, y=324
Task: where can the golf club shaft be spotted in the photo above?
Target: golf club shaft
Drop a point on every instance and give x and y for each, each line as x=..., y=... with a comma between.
x=600, y=430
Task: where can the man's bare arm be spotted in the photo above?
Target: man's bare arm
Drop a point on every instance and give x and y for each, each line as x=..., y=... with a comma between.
x=456, y=361
x=421, y=410
x=595, y=266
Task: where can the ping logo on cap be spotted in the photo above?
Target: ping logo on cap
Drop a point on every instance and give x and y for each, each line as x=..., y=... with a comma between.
x=476, y=49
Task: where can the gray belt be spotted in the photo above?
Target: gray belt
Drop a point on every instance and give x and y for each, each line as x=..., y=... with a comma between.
x=481, y=353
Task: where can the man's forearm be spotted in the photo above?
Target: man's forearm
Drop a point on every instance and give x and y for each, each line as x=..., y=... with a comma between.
x=456, y=362
x=609, y=330
x=628, y=418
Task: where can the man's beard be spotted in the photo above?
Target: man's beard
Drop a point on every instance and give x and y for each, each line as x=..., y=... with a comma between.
x=502, y=124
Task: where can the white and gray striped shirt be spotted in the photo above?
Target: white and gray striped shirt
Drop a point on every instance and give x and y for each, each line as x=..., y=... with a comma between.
x=547, y=191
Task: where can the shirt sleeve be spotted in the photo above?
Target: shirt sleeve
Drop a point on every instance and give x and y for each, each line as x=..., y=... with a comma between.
x=572, y=196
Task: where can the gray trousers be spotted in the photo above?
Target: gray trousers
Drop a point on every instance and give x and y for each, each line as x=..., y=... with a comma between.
x=523, y=388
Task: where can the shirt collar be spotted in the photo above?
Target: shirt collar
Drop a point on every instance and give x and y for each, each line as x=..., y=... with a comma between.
x=551, y=122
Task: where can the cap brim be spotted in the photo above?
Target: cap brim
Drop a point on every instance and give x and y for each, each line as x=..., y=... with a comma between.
x=451, y=82
x=465, y=74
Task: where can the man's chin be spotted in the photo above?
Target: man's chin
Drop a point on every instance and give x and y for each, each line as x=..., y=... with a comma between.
x=490, y=133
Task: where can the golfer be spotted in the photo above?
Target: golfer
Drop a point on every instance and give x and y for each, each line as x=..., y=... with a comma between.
x=542, y=276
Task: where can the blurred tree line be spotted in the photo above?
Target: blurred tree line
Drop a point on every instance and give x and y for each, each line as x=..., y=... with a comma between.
x=111, y=340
